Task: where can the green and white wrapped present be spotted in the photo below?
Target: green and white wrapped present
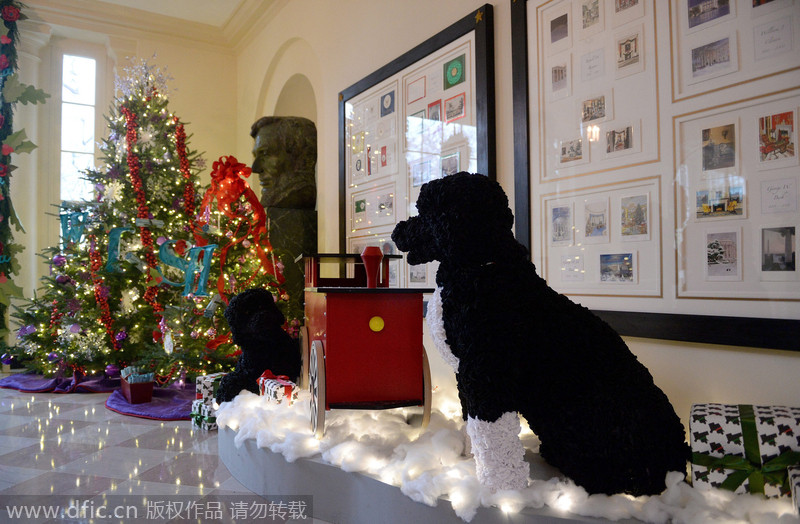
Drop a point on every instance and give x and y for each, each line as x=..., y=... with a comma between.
x=794, y=484
x=207, y=385
x=744, y=448
x=204, y=416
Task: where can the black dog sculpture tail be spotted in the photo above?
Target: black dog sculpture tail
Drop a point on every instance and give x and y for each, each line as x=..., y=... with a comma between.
x=519, y=347
x=256, y=325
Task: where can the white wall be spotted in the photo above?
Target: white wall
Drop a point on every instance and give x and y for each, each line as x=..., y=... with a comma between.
x=345, y=41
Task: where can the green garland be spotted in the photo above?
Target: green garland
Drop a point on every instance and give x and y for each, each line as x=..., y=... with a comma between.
x=13, y=142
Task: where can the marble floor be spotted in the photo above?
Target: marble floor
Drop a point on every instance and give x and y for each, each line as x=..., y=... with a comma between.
x=57, y=445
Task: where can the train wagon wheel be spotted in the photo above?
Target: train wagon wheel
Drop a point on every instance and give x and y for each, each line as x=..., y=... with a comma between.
x=316, y=382
x=304, y=342
x=426, y=393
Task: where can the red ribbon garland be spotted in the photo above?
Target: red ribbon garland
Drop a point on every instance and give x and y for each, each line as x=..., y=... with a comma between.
x=95, y=263
x=132, y=137
x=227, y=188
x=188, y=188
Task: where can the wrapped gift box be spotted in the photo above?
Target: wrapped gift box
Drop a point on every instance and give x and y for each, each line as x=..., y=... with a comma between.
x=794, y=484
x=207, y=385
x=137, y=392
x=744, y=448
x=204, y=416
x=277, y=388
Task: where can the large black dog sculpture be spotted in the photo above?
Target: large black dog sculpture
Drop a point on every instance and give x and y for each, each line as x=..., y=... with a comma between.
x=519, y=347
x=256, y=325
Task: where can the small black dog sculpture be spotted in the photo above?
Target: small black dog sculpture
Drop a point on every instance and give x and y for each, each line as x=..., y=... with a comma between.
x=256, y=325
x=519, y=347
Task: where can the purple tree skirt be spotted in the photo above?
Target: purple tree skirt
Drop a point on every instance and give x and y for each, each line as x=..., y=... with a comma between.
x=170, y=403
x=32, y=383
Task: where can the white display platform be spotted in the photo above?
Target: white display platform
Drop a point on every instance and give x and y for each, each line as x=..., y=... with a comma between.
x=353, y=498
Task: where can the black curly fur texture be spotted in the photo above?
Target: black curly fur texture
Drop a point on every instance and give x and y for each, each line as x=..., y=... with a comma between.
x=524, y=347
x=256, y=325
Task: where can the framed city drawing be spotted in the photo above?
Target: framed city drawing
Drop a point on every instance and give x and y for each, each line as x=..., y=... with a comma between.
x=427, y=114
x=688, y=237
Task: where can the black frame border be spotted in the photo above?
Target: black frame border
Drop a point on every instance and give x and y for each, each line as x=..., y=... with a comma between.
x=481, y=21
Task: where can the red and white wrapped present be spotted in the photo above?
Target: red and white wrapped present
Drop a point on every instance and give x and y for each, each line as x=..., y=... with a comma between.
x=277, y=387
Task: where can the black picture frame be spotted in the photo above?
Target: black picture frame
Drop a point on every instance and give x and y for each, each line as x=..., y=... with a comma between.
x=768, y=333
x=481, y=21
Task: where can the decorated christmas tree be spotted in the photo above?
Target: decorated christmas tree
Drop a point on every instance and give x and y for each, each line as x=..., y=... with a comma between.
x=145, y=269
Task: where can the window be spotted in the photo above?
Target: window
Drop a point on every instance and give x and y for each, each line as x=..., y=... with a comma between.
x=78, y=101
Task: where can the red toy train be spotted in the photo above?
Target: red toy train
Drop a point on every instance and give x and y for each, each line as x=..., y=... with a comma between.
x=362, y=340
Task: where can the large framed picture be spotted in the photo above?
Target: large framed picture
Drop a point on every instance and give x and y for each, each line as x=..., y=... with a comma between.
x=689, y=237
x=427, y=114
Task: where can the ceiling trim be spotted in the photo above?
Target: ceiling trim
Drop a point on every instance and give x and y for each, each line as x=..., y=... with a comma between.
x=111, y=19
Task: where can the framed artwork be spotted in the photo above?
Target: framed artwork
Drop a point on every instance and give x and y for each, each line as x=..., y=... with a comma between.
x=701, y=14
x=588, y=231
x=560, y=85
x=734, y=46
x=558, y=31
x=634, y=211
x=731, y=43
x=622, y=139
x=590, y=17
x=414, y=120
x=723, y=254
x=777, y=141
x=626, y=11
x=778, y=250
x=618, y=268
x=596, y=221
x=629, y=52
x=597, y=108
x=714, y=186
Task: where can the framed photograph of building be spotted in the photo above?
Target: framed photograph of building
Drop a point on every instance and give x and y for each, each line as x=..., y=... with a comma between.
x=723, y=254
x=713, y=59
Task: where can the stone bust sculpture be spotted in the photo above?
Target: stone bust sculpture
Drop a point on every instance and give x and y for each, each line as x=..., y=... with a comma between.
x=285, y=154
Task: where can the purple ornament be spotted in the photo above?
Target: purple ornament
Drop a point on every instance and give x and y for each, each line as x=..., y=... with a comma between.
x=75, y=328
x=160, y=240
x=59, y=260
x=52, y=357
x=121, y=335
x=194, y=334
x=24, y=331
x=112, y=370
x=6, y=358
x=63, y=279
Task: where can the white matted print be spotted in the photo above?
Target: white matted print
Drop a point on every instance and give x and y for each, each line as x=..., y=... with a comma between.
x=589, y=17
x=558, y=29
x=573, y=151
x=627, y=11
x=450, y=163
x=713, y=59
x=562, y=224
x=597, y=108
x=596, y=221
x=723, y=254
x=720, y=147
x=773, y=38
x=373, y=207
x=593, y=65
x=702, y=14
x=778, y=250
x=572, y=268
x=622, y=138
x=721, y=198
x=629, y=52
x=634, y=212
x=779, y=196
x=455, y=107
x=560, y=85
x=777, y=139
x=618, y=268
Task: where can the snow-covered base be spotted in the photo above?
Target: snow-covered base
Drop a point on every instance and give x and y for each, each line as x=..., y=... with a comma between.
x=428, y=465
